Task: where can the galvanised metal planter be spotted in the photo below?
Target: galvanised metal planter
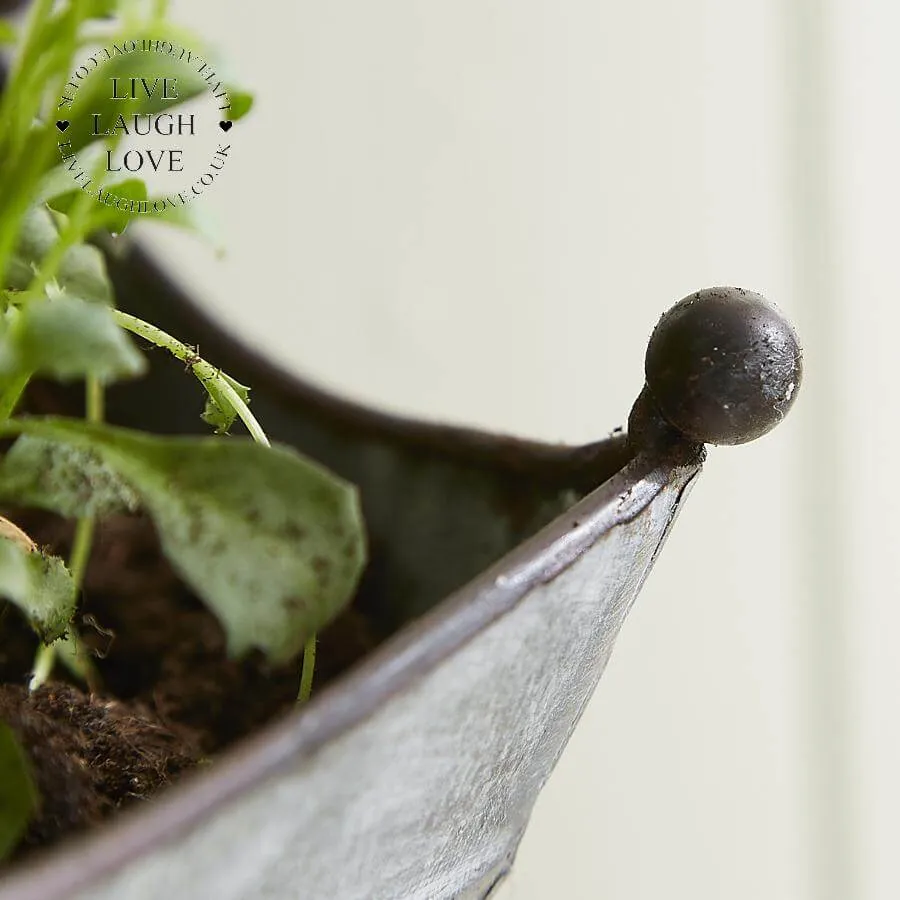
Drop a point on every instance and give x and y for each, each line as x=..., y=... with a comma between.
x=505, y=570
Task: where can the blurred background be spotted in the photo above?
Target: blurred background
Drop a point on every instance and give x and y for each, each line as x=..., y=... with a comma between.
x=475, y=211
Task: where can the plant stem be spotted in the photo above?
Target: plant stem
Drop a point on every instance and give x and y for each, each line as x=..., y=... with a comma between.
x=94, y=400
x=308, y=670
x=81, y=548
x=69, y=649
x=94, y=408
x=43, y=665
x=205, y=372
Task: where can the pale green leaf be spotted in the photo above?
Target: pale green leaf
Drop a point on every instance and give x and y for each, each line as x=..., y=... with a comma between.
x=105, y=215
x=40, y=585
x=18, y=794
x=72, y=481
x=271, y=541
x=68, y=338
x=195, y=219
x=82, y=272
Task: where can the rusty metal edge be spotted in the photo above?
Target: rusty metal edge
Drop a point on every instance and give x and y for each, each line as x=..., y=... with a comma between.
x=393, y=667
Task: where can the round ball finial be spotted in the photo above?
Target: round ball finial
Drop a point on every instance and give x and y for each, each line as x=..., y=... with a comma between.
x=723, y=366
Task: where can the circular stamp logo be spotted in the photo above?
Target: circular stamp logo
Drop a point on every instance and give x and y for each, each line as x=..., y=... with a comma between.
x=145, y=126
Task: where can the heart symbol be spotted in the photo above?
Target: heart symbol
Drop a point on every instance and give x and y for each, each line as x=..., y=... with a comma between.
x=62, y=124
x=225, y=126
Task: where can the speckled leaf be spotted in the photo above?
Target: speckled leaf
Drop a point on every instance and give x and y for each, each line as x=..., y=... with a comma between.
x=40, y=585
x=72, y=481
x=18, y=795
x=67, y=338
x=219, y=412
x=272, y=542
x=82, y=272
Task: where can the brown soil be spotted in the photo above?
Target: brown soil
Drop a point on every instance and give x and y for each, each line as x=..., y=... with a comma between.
x=170, y=696
x=89, y=756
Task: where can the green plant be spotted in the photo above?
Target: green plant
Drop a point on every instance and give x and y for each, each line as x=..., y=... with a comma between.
x=269, y=540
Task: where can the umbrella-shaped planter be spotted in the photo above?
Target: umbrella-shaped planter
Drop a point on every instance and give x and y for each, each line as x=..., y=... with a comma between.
x=499, y=572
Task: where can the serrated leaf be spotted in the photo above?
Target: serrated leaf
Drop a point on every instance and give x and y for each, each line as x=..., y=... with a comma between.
x=18, y=794
x=219, y=412
x=40, y=585
x=82, y=272
x=73, y=481
x=271, y=541
x=67, y=338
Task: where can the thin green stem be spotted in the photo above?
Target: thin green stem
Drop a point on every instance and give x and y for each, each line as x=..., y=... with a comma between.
x=69, y=649
x=94, y=400
x=81, y=549
x=72, y=653
x=240, y=407
x=44, y=660
x=205, y=372
x=308, y=670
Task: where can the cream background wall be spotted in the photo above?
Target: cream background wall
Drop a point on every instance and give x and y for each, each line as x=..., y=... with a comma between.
x=475, y=212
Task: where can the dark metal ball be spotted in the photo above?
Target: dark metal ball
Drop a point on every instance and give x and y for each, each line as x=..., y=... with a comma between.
x=723, y=366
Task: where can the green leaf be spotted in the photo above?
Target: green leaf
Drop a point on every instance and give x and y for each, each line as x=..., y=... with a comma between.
x=103, y=215
x=40, y=585
x=101, y=9
x=8, y=33
x=73, y=481
x=219, y=412
x=195, y=219
x=18, y=794
x=241, y=103
x=82, y=272
x=272, y=542
x=94, y=96
x=67, y=338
